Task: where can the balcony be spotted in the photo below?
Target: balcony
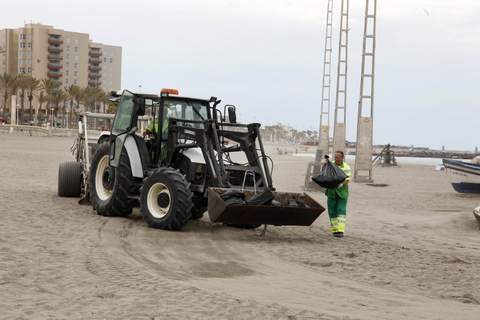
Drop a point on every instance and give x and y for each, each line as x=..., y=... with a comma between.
x=93, y=83
x=54, y=57
x=54, y=74
x=54, y=66
x=95, y=53
x=55, y=41
x=94, y=68
x=94, y=76
x=94, y=60
x=54, y=49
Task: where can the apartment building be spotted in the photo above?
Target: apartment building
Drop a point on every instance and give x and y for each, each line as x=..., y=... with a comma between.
x=105, y=66
x=68, y=57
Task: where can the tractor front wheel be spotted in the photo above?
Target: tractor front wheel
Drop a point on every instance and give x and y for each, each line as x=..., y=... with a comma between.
x=166, y=200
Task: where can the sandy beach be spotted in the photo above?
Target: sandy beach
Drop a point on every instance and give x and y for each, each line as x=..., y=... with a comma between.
x=411, y=252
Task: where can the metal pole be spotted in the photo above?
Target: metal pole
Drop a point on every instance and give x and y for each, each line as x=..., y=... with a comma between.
x=364, y=144
x=323, y=133
x=339, y=129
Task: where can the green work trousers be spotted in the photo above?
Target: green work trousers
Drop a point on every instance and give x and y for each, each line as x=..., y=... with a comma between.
x=337, y=211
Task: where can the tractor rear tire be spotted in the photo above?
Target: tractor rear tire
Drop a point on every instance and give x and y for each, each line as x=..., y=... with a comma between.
x=110, y=188
x=166, y=200
x=70, y=179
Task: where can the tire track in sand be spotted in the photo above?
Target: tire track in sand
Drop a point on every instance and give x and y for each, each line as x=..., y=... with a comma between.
x=236, y=263
x=130, y=260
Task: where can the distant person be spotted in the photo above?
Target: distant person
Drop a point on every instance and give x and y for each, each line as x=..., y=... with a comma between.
x=338, y=197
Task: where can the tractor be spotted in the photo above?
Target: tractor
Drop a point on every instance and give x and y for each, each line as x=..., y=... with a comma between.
x=176, y=158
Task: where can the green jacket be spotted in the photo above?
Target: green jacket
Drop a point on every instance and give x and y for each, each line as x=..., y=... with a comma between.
x=155, y=127
x=342, y=191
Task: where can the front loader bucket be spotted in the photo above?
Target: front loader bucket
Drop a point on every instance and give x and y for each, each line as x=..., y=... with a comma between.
x=287, y=209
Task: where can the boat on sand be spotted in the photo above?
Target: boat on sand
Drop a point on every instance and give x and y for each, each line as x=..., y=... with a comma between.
x=464, y=176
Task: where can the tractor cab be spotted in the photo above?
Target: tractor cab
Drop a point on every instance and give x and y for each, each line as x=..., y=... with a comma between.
x=150, y=116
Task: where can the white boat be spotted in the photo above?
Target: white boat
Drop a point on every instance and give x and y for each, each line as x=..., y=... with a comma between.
x=476, y=213
x=464, y=176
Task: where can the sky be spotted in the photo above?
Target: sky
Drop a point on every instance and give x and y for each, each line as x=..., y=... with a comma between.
x=266, y=57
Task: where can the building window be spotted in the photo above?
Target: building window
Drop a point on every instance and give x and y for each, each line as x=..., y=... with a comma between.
x=67, y=64
x=68, y=48
x=29, y=44
x=111, y=60
x=29, y=70
x=76, y=58
x=75, y=73
x=66, y=72
x=75, y=65
x=68, y=56
x=76, y=49
x=75, y=81
x=104, y=59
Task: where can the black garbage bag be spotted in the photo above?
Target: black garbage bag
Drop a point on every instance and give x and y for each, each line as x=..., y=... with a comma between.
x=263, y=198
x=233, y=197
x=330, y=176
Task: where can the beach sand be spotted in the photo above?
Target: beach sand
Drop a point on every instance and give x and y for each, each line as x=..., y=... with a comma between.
x=411, y=252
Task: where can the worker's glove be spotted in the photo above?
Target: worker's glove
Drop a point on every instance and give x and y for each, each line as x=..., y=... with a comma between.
x=340, y=185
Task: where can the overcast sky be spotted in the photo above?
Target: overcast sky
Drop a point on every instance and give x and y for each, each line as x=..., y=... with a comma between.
x=266, y=57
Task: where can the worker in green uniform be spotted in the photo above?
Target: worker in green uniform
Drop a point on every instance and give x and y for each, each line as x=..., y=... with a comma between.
x=150, y=134
x=338, y=197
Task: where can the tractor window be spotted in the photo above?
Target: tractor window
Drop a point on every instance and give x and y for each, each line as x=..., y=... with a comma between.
x=186, y=110
x=125, y=110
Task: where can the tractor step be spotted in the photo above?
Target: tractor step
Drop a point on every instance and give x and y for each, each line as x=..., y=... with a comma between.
x=276, y=208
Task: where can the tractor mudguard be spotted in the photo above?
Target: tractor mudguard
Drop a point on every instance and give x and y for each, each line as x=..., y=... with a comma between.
x=133, y=154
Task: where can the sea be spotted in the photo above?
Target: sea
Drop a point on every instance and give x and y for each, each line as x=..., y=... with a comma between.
x=400, y=160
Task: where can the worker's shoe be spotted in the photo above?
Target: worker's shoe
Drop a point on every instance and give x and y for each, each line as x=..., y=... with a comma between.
x=338, y=234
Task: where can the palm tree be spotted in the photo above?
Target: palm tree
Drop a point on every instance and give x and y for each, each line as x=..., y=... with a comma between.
x=74, y=93
x=23, y=87
x=9, y=83
x=42, y=98
x=102, y=99
x=50, y=87
x=79, y=98
x=89, y=98
x=14, y=86
x=32, y=86
x=5, y=80
x=58, y=96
